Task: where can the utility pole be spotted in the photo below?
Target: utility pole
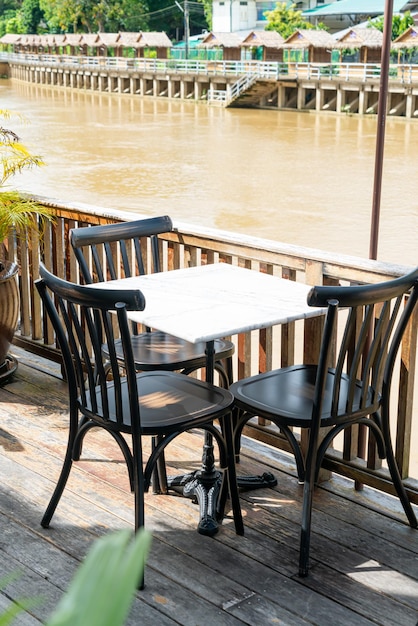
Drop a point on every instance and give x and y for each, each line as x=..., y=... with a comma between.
x=186, y=28
x=185, y=12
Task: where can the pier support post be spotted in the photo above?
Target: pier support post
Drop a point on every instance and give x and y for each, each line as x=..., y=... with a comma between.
x=361, y=102
x=409, y=105
x=339, y=103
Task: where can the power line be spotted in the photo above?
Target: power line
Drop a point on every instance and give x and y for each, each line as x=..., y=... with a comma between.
x=198, y=6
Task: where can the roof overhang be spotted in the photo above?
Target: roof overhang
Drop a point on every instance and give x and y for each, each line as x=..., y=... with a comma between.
x=355, y=7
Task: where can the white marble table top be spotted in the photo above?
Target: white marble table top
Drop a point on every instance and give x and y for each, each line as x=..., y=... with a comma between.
x=213, y=301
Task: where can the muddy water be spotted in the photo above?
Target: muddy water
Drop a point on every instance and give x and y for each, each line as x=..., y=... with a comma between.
x=305, y=179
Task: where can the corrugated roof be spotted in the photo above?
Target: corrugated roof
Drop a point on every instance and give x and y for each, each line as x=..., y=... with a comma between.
x=355, y=7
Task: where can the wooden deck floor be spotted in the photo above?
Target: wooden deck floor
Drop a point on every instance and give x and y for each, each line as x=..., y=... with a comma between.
x=364, y=558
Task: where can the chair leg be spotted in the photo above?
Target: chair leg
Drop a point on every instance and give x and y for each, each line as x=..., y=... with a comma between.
x=139, y=489
x=395, y=474
x=159, y=473
x=63, y=477
x=308, y=490
x=305, y=533
x=78, y=442
x=56, y=496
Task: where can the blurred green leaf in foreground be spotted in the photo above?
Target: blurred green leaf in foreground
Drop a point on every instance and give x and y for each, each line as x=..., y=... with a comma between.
x=103, y=588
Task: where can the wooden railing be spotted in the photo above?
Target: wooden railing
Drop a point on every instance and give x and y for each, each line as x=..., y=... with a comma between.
x=256, y=351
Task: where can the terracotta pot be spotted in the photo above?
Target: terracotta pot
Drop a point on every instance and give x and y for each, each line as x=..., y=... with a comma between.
x=9, y=314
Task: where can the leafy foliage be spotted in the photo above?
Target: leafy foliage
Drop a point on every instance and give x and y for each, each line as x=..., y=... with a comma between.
x=400, y=23
x=103, y=587
x=67, y=16
x=285, y=19
x=94, y=15
x=16, y=211
x=31, y=15
x=14, y=156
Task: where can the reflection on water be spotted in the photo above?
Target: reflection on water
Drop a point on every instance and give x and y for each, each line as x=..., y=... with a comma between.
x=302, y=178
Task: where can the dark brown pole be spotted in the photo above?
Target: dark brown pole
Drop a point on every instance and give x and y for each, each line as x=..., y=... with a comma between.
x=378, y=167
x=381, y=121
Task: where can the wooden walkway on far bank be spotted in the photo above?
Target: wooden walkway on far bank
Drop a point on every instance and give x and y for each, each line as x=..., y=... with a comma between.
x=364, y=560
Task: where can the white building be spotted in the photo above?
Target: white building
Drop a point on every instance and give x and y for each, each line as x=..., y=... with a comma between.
x=241, y=15
x=245, y=15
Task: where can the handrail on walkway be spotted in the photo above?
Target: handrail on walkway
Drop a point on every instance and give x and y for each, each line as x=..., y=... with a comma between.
x=404, y=73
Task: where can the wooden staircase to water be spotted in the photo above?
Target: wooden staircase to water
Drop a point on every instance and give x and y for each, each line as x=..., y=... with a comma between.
x=254, y=94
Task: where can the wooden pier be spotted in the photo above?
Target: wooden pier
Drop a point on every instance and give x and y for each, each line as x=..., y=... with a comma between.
x=344, y=88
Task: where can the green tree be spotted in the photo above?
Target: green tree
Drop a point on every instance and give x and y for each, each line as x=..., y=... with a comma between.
x=11, y=22
x=32, y=15
x=285, y=19
x=94, y=15
x=207, y=7
x=61, y=15
x=165, y=15
x=134, y=16
x=400, y=23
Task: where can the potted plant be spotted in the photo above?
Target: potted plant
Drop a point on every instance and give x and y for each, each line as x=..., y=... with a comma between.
x=17, y=214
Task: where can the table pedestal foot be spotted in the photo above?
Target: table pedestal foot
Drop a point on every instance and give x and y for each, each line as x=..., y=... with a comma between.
x=204, y=491
x=247, y=483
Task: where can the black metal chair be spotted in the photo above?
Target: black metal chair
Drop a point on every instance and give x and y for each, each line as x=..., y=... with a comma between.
x=161, y=404
x=120, y=250
x=350, y=385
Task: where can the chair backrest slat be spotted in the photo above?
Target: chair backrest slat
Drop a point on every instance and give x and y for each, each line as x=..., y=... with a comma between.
x=124, y=245
x=86, y=315
x=119, y=250
x=370, y=340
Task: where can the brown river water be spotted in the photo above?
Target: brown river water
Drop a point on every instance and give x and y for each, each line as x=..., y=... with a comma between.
x=302, y=178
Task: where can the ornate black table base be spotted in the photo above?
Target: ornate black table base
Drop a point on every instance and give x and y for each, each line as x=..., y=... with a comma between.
x=204, y=485
x=205, y=490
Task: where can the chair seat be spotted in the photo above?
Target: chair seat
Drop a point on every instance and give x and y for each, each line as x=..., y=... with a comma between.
x=288, y=393
x=168, y=401
x=158, y=350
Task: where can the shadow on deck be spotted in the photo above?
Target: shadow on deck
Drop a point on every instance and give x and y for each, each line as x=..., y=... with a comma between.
x=364, y=556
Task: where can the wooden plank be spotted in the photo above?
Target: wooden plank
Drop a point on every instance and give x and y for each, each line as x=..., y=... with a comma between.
x=363, y=562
